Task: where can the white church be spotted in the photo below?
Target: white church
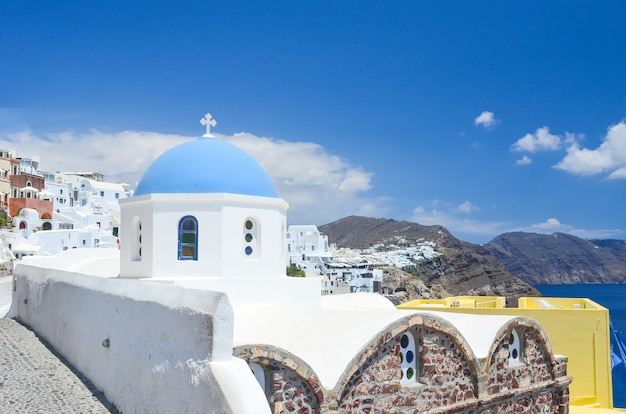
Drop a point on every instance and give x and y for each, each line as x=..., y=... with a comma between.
x=195, y=314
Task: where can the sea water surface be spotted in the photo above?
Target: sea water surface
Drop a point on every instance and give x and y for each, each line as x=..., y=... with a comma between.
x=612, y=297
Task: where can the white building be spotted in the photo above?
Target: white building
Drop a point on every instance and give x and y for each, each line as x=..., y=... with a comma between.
x=86, y=213
x=306, y=241
x=308, y=249
x=85, y=187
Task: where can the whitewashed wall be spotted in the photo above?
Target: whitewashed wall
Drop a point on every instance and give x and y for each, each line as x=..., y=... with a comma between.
x=150, y=348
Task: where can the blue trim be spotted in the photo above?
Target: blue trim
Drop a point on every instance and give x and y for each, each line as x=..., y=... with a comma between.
x=188, y=225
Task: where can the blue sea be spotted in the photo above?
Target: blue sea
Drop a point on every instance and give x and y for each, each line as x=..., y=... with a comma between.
x=612, y=297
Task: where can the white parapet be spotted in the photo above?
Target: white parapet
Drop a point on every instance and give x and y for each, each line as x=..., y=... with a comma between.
x=149, y=347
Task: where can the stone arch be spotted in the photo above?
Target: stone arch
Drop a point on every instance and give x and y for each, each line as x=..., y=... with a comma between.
x=536, y=362
x=377, y=369
x=525, y=326
x=290, y=380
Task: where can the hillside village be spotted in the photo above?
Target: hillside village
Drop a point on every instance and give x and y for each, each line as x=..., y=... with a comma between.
x=45, y=213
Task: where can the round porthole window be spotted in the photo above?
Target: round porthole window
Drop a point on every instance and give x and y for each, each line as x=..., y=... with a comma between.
x=251, y=246
x=515, y=348
x=408, y=363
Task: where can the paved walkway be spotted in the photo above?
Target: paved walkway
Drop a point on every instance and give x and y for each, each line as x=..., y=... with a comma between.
x=33, y=379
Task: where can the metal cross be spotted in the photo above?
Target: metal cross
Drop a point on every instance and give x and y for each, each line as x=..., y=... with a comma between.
x=208, y=122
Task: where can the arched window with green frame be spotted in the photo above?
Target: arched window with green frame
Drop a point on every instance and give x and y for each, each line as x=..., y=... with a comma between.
x=188, y=238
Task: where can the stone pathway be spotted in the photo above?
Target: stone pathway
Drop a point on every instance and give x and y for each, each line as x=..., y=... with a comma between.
x=33, y=379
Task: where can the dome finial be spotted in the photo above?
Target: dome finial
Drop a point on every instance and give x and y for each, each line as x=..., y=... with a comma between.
x=208, y=122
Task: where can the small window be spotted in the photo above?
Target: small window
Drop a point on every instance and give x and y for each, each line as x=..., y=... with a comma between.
x=101, y=193
x=251, y=245
x=137, y=242
x=117, y=195
x=408, y=359
x=188, y=238
x=515, y=349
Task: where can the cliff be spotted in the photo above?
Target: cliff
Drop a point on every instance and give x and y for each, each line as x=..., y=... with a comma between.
x=560, y=258
x=462, y=269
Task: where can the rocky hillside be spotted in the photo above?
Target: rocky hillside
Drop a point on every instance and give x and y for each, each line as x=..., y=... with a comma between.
x=462, y=269
x=560, y=258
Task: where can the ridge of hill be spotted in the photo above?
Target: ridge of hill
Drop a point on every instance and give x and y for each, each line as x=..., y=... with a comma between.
x=560, y=258
x=461, y=269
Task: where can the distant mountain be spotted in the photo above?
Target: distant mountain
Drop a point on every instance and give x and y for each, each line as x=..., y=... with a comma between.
x=560, y=258
x=463, y=269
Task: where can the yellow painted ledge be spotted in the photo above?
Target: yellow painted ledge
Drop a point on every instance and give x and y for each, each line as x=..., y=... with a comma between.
x=577, y=409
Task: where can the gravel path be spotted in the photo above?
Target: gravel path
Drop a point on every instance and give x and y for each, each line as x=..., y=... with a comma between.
x=33, y=379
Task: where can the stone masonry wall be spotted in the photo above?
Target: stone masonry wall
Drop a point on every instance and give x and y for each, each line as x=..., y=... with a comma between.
x=449, y=378
x=539, y=402
x=290, y=393
x=291, y=386
x=534, y=369
x=537, y=385
x=444, y=378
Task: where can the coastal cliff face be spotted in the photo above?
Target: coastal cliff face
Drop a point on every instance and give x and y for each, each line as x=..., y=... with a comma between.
x=560, y=258
x=461, y=269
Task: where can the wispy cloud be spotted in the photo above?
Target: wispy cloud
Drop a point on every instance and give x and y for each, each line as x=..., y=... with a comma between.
x=609, y=157
x=121, y=156
x=553, y=225
x=486, y=119
x=457, y=219
x=541, y=140
x=320, y=187
x=525, y=160
x=467, y=207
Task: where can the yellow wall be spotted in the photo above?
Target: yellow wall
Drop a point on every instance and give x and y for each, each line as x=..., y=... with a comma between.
x=578, y=328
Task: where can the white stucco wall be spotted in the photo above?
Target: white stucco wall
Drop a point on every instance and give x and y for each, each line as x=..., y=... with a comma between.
x=221, y=246
x=151, y=348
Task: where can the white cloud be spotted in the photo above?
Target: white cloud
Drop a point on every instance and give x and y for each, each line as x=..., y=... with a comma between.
x=549, y=224
x=448, y=216
x=617, y=174
x=553, y=225
x=455, y=219
x=486, y=119
x=466, y=207
x=541, y=140
x=121, y=156
x=319, y=187
x=525, y=160
x=609, y=157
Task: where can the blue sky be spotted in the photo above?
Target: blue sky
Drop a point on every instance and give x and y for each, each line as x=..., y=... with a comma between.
x=484, y=116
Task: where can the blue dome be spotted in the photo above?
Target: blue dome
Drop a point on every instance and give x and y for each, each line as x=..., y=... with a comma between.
x=206, y=165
